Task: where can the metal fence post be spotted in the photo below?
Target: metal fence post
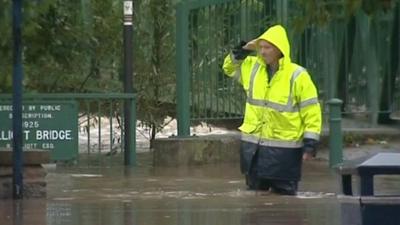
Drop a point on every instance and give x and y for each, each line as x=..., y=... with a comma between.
x=282, y=12
x=133, y=132
x=335, y=132
x=183, y=71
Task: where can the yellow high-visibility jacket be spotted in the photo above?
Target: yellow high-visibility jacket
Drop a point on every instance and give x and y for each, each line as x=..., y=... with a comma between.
x=280, y=112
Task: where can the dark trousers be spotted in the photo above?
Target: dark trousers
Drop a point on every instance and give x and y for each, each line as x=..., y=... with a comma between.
x=271, y=168
x=283, y=187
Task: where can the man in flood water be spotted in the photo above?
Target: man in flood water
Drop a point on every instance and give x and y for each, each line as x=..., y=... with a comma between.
x=282, y=121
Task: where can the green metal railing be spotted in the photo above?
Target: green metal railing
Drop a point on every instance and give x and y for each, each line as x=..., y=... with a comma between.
x=354, y=58
x=207, y=29
x=93, y=108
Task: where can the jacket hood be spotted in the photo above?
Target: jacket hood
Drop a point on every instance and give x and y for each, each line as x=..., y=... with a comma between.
x=277, y=36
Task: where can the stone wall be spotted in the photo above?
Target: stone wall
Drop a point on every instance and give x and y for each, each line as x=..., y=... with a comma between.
x=34, y=183
x=198, y=150
x=195, y=150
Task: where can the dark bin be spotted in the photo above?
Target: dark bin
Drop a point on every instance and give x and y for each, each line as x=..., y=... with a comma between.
x=368, y=209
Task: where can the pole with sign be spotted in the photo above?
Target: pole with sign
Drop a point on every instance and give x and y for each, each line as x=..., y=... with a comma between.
x=129, y=157
x=17, y=101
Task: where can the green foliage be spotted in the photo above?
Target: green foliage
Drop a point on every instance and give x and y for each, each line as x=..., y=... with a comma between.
x=154, y=61
x=67, y=47
x=321, y=12
x=76, y=46
x=5, y=47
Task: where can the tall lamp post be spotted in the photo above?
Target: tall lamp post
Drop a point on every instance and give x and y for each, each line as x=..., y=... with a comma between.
x=17, y=100
x=128, y=80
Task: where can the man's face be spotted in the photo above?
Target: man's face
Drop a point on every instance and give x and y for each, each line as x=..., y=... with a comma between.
x=269, y=52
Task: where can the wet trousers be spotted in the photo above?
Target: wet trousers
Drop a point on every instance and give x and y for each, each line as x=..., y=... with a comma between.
x=271, y=168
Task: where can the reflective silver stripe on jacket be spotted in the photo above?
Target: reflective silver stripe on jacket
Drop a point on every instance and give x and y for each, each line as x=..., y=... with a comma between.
x=250, y=138
x=271, y=143
x=311, y=135
x=295, y=74
x=311, y=101
x=289, y=107
x=252, y=78
x=273, y=105
x=281, y=144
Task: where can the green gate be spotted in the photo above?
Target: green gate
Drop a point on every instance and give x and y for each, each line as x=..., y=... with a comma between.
x=350, y=55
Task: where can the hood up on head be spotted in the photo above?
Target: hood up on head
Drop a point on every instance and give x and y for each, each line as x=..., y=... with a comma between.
x=277, y=36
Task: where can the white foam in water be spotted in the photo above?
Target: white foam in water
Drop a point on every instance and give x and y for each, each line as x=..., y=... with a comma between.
x=313, y=195
x=63, y=199
x=86, y=175
x=78, y=190
x=151, y=180
x=234, y=182
x=200, y=194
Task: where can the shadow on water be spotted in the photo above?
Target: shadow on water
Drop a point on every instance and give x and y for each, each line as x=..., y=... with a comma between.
x=213, y=194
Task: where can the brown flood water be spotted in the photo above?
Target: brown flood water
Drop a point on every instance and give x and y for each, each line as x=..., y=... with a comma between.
x=200, y=195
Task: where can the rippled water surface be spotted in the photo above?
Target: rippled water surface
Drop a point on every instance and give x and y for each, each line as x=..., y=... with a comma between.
x=212, y=194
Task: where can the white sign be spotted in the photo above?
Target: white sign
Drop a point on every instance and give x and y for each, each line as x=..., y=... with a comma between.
x=128, y=8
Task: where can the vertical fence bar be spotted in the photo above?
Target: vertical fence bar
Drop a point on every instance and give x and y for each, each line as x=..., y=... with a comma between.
x=200, y=56
x=98, y=133
x=99, y=127
x=183, y=71
x=225, y=40
x=194, y=41
x=193, y=38
x=201, y=77
x=236, y=29
x=221, y=87
x=88, y=125
x=335, y=132
x=133, y=132
x=258, y=25
x=225, y=86
x=111, y=126
x=128, y=132
x=212, y=91
x=244, y=22
x=394, y=100
x=214, y=81
x=122, y=125
x=208, y=96
x=197, y=72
